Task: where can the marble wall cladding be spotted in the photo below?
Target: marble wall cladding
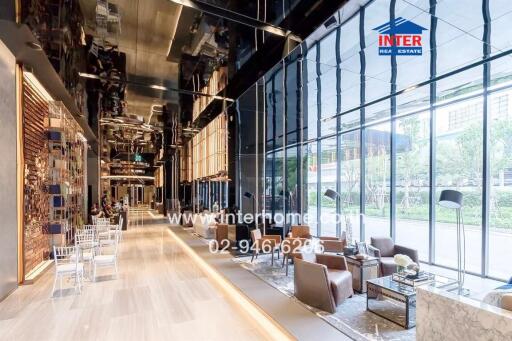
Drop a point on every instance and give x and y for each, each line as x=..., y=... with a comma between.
x=445, y=316
x=8, y=214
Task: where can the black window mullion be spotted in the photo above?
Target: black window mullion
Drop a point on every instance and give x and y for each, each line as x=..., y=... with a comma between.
x=432, y=169
x=319, y=143
x=362, y=132
x=486, y=133
x=285, y=139
x=392, y=194
x=339, y=204
x=298, y=118
x=273, y=148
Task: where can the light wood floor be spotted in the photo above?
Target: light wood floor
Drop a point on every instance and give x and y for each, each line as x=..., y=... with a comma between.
x=159, y=295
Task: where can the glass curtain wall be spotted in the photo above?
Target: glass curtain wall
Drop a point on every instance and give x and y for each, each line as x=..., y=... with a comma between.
x=389, y=133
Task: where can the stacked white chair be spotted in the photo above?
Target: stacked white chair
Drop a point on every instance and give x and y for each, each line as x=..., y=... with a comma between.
x=86, y=244
x=100, y=221
x=107, y=259
x=67, y=264
x=108, y=236
x=118, y=228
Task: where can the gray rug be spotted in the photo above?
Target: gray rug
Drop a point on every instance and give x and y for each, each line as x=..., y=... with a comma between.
x=351, y=317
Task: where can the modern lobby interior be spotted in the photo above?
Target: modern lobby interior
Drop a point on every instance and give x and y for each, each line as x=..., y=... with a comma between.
x=256, y=170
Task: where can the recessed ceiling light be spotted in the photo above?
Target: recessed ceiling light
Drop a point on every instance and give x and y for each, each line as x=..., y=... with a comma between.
x=32, y=79
x=34, y=46
x=410, y=88
x=88, y=75
x=158, y=87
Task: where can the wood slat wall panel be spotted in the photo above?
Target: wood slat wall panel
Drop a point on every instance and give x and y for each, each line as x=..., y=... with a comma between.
x=209, y=149
x=35, y=151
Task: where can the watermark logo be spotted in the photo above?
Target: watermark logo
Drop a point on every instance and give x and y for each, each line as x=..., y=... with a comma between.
x=400, y=37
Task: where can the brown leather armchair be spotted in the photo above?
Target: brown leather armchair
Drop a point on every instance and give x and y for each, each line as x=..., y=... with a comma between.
x=300, y=231
x=221, y=235
x=385, y=249
x=322, y=281
x=263, y=243
x=334, y=244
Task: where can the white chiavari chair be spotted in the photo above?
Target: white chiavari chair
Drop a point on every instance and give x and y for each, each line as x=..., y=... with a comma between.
x=100, y=221
x=118, y=228
x=87, y=228
x=105, y=236
x=86, y=244
x=107, y=259
x=67, y=264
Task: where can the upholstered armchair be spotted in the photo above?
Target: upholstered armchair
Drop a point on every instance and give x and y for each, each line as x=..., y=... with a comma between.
x=221, y=235
x=334, y=244
x=300, y=231
x=385, y=249
x=264, y=243
x=322, y=281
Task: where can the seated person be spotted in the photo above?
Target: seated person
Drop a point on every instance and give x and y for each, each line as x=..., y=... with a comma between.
x=109, y=212
x=95, y=212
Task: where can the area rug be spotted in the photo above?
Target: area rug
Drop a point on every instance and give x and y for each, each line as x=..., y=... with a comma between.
x=351, y=317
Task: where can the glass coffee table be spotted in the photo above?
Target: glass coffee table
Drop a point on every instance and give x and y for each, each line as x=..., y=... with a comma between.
x=396, y=301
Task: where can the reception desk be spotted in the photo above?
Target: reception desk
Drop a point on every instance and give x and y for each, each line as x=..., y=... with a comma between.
x=441, y=315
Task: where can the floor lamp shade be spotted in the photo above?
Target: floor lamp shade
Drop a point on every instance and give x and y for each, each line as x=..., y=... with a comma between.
x=450, y=199
x=331, y=194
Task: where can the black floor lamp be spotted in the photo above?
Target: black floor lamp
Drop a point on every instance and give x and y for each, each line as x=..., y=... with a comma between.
x=331, y=194
x=249, y=195
x=453, y=200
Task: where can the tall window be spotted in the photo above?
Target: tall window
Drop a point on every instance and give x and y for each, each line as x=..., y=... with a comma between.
x=412, y=182
x=316, y=88
x=310, y=94
x=350, y=71
x=377, y=181
x=292, y=109
x=500, y=125
x=378, y=68
x=269, y=180
x=328, y=82
x=350, y=175
x=269, y=120
x=500, y=195
x=291, y=193
x=278, y=108
x=311, y=156
x=459, y=166
x=279, y=197
x=328, y=178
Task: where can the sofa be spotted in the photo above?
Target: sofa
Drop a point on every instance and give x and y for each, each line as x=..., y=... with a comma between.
x=204, y=225
x=300, y=231
x=322, y=281
x=334, y=244
x=385, y=249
